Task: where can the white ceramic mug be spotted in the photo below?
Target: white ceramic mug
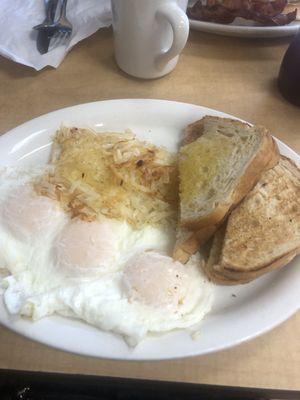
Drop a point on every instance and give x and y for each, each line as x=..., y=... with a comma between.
x=149, y=35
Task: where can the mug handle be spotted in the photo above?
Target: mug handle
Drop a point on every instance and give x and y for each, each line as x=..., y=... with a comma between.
x=180, y=26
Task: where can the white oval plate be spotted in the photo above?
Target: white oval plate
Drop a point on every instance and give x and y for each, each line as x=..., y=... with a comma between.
x=239, y=312
x=243, y=28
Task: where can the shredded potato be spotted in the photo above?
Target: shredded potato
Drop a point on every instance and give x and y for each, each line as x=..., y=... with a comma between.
x=111, y=174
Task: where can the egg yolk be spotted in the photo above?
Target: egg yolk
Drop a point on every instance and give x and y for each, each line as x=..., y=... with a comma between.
x=86, y=245
x=156, y=280
x=28, y=215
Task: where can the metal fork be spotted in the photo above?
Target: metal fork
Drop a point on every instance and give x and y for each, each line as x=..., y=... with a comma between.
x=61, y=29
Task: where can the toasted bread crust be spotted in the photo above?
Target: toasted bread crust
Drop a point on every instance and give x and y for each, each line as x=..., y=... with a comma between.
x=187, y=247
x=179, y=254
x=195, y=130
x=214, y=255
x=220, y=279
x=224, y=278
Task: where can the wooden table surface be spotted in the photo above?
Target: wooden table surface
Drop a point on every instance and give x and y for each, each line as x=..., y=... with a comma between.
x=233, y=75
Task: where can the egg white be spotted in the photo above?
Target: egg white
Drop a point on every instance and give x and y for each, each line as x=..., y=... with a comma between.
x=104, y=304
x=44, y=277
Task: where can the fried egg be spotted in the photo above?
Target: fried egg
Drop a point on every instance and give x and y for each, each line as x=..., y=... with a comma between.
x=27, y=221
x=103, y=272
x=28, y=216
x=130, y=302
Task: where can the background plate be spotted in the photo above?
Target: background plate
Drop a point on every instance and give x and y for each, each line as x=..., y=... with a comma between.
x=243, y=28
x=239, y=312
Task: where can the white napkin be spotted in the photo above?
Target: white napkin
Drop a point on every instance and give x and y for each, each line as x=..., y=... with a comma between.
x=18, y=39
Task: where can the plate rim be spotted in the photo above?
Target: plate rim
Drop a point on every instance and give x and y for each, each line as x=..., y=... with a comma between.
x=245, y=30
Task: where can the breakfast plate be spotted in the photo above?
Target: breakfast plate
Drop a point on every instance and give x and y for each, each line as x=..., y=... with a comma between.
x=247, y=29
x=239, y=313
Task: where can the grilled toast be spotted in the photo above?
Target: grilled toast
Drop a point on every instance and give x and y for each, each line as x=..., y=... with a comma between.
x=263, y=232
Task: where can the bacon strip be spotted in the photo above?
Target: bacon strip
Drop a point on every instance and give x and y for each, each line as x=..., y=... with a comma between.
x=265, y=13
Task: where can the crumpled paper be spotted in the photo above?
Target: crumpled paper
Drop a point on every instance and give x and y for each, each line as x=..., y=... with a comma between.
x=18, y=39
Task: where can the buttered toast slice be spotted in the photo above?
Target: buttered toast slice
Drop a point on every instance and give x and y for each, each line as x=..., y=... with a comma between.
x=219, y=162
x=263, y=232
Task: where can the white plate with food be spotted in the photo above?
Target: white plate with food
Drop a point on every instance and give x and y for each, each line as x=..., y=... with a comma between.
x=241, y=27
x=130, y=308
